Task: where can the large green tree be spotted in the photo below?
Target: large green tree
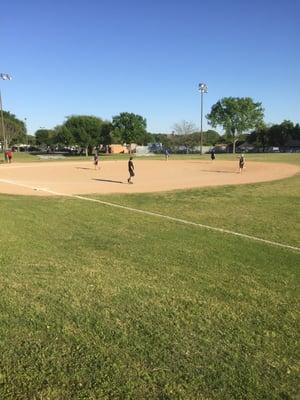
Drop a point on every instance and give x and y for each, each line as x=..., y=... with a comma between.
x=106, y=131
x=278, y=135
x=14, y=129
x=131, y=128
x=236, y=115
x=31, y=140
x=275, y=135
x=211, y=137
x=63, y=136
x=44, y=137
x=259, y=137
x=85, y=130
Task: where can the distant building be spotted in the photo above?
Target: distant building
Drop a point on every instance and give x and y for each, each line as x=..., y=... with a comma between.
x=117, y=149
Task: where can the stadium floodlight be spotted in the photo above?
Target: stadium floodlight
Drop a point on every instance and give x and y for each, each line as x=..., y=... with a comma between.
x=4, y=77
x=202, y=89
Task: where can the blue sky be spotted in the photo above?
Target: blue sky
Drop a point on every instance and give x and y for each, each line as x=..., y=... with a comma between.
x=147, y=57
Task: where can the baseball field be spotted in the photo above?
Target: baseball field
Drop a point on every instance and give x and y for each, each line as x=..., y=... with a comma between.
x=184, y=285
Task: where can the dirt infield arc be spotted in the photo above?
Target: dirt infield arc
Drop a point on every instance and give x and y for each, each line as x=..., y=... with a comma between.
x=151, y=175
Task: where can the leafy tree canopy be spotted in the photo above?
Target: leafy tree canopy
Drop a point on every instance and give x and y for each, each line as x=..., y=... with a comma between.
x=275, y=135
x=210, y=137
x=236, y=115
x=15, y=129
x=31, y=139
x=44, y=137
x=106, y=133
x=131, y=128
x=63, y=136
x=85, y=129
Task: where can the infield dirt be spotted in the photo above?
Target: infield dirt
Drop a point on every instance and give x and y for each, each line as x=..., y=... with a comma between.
x=151, y=176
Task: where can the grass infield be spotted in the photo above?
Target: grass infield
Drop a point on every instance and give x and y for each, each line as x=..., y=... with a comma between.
x=99, y=303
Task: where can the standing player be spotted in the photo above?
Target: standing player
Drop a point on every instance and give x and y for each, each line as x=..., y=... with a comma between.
x=241, y=162
x=130, y=170
x=212, y=155
x=8, y=155
x=96, y=159
x=167, y=154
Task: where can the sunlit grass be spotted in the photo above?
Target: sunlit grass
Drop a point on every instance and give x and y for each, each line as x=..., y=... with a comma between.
x=103, y=303
x=292, y=158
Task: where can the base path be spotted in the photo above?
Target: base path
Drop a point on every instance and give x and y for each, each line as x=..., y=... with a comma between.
x=73, y=177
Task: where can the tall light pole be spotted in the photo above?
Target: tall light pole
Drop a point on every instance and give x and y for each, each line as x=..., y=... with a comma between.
x=4, y=77
x=202, y=89
x=26, y=133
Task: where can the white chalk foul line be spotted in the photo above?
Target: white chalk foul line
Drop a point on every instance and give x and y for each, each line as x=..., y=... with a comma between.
x=19, y=184
x=154, y=214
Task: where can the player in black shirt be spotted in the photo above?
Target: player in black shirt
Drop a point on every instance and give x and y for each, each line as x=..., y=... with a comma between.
x=96, y=159
x=130, y=170
x=241, y=162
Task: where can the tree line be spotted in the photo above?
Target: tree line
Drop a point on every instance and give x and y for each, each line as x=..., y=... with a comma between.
x=278, y=135
x=88, y=131
x=241, y=119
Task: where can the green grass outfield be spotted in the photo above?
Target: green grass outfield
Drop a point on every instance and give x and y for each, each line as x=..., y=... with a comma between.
x=104, y=303
x=292, y=158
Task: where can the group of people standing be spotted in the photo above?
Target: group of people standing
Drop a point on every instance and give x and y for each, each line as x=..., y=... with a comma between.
x=131, y=165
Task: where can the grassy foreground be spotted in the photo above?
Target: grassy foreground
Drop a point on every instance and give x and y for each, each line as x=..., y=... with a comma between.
x=99, y=303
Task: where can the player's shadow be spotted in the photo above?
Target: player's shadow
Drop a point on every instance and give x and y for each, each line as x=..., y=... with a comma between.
x=85, y=168
x=197, y=161
x=106, y=180
x=219, y=172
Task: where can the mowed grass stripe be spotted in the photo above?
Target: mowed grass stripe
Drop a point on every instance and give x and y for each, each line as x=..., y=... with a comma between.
x=153, y=214
x=182, y=221
x=268, y=210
